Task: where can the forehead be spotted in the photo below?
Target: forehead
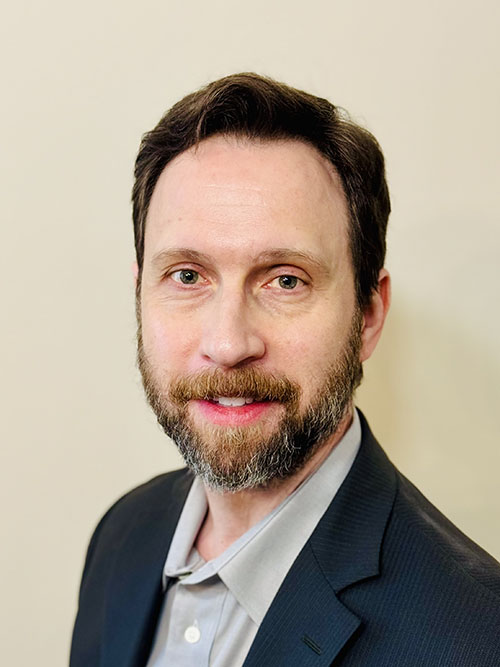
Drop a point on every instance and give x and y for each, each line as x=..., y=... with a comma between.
x=237, y=193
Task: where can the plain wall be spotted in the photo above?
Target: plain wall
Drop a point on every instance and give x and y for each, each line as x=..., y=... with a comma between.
x=81, y=82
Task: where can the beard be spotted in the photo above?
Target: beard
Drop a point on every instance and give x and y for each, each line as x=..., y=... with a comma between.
x=230, y=459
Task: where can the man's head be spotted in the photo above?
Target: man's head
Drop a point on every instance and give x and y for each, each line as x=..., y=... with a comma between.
x=260, y=289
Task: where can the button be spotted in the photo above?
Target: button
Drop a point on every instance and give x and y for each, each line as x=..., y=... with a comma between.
x=192, y=634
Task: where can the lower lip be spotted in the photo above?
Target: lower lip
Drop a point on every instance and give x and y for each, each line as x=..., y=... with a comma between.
x=233, y=416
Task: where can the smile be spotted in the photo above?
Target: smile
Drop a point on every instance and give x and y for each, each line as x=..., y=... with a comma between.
x=232, y=402
x=233, y=410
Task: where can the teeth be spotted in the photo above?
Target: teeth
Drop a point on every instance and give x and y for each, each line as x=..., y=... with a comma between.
x=233, y=402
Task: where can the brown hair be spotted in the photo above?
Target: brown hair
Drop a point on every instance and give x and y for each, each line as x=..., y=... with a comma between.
x=258, y=107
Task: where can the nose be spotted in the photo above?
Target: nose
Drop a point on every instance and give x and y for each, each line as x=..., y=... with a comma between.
x=230, y=337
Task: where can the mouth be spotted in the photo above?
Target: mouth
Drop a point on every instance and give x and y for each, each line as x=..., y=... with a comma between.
x=233, y=410
x=233, y=401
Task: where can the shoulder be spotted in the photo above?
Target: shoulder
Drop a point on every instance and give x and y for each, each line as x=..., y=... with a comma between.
x=442, y=589
x=417, y=524
x=157, y=494
x=418, y=534
x=436, y=594
x=163, y=496
x=129, y=545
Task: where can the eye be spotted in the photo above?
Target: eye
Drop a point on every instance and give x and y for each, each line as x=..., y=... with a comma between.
x=288, y=282
x=186, y=276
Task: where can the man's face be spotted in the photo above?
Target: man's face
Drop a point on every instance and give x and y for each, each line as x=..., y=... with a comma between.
x=249, y=342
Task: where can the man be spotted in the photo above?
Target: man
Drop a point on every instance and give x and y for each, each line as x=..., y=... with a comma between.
x=260, y=215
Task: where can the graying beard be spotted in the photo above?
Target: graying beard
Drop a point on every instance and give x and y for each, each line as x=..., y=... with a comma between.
x=288, y=449
x=284, y=453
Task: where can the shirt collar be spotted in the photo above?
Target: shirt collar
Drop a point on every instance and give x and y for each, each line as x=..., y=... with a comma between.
x=193, y=513
x=273, y=543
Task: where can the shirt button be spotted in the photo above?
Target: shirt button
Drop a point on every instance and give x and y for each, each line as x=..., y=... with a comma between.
x=192, y=634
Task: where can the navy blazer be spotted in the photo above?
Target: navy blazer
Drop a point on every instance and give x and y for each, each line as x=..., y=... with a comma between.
x=384, y=580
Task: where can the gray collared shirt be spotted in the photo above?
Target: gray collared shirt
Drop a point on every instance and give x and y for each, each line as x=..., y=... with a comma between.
x=212, y=610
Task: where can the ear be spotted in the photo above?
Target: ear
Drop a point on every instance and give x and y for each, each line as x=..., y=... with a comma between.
x=374, y=315
x=135, y=271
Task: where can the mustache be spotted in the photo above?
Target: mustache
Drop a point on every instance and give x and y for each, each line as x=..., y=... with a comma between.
x=237, y=383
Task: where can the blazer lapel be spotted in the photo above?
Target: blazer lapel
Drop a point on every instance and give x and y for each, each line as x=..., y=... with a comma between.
x=135, y=595
x=307, y=624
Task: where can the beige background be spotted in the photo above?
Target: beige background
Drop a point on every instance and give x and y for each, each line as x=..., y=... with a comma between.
x=80, y=83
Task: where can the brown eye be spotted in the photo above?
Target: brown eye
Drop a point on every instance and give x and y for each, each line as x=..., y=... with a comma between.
x=288, y=282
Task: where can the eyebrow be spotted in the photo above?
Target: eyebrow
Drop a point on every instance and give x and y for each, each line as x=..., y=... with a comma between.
x=164, y=257
x=292, y=256
x=274, y=256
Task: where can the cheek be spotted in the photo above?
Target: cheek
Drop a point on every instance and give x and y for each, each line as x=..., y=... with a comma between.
x=305, y=353
x=311, y=344
x=299, y=357
x=168, y=342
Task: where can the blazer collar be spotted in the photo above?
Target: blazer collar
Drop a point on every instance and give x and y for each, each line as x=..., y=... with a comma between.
x=307, y=624
x=348, y=539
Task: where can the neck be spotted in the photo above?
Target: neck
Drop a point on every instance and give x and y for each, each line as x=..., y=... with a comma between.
x=230, y=515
